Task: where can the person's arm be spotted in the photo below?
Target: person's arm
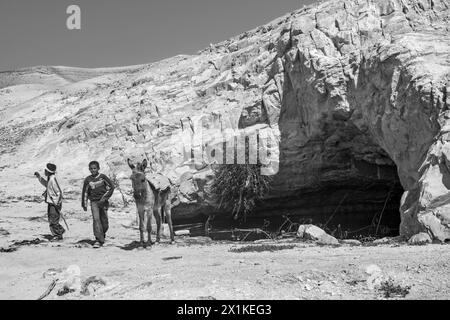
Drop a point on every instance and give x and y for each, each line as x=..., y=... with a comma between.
x=83, y=199
x=109, y=193
x=41, y=180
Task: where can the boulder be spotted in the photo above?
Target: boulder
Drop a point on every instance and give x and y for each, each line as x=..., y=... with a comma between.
x=327, y=239
x=312, y=232
x=420, y=238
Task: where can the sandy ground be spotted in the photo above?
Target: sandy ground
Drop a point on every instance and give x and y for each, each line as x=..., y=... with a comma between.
x=198, y=268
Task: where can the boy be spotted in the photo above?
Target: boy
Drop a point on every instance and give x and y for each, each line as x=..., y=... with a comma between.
x=53, y=197
x=99, y=189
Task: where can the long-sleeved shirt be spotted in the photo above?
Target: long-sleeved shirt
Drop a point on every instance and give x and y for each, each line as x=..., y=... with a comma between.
x=97, y=188
x=53, y=193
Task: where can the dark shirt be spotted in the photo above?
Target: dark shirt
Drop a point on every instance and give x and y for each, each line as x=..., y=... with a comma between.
x=102, y=189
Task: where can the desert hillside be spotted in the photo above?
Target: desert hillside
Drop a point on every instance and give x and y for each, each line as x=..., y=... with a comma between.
x=355, y=92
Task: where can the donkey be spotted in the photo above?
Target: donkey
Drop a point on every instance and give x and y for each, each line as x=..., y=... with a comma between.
x=149, y=199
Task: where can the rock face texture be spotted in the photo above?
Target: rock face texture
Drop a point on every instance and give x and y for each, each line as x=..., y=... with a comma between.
x=356, y=93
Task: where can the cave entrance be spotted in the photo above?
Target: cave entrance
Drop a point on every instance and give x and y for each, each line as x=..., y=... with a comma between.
x=363, y=202
x=341, y=181
x=358, y=201
x=348, y=197
x=334, y=176
x=369, y=204
x=354, y=211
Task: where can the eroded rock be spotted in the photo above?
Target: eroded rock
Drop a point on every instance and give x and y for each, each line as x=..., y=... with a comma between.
x=356, y=92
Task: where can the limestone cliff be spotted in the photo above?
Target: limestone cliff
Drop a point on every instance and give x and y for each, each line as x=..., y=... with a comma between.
x=357, y=91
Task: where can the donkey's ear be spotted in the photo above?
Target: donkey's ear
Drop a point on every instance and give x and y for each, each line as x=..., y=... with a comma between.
x=144, y=164
x=130, y=164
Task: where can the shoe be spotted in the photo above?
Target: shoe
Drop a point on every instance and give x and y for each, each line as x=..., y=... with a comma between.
x=56, y=238
x=97, y=245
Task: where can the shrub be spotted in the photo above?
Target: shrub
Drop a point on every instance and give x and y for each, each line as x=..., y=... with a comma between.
x=391, y=290
x=238, y=188
x=116, y=183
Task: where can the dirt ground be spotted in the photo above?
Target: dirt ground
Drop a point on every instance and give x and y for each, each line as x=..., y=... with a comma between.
x=198, y=268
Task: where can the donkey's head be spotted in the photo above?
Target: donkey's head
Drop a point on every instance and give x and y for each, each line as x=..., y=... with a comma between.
x=138, y=179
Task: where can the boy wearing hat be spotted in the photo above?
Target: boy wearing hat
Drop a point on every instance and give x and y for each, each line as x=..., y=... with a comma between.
x=98, y=188
x=53, y=197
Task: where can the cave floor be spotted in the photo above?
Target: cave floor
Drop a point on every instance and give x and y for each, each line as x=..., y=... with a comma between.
x=197, y=268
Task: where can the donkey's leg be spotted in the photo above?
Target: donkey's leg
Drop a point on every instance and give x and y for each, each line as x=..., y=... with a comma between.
x=149, y=226
x=142, y=223
x=157, y=214
x=168, y=214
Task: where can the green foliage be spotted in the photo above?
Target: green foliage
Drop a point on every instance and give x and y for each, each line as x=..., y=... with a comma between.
x=238, y=188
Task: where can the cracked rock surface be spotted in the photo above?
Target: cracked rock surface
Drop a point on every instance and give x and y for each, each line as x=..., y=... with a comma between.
x=357, y=92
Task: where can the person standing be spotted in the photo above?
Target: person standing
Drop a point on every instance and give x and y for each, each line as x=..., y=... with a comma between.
x=53, y=197
x=98, y=188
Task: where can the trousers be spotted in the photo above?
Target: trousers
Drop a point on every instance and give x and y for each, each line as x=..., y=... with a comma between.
x=100, y=220
x=53, y=219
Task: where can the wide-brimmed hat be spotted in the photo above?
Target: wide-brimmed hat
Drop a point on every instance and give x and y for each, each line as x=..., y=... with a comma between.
x=50, y=167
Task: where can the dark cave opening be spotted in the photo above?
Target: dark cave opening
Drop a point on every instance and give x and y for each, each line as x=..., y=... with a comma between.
x=364, y=204
x=345, y=211
x=341, y=180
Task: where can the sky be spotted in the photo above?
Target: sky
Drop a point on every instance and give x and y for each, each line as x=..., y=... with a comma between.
x=125, y=32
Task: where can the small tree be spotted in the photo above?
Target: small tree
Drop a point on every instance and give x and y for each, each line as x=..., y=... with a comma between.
x=116, y=183
x=238, y=188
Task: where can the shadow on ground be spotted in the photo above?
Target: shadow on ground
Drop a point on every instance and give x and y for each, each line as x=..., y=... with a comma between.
x=16, y=244
x=134, y=245
x=38, y=219
x=86, y=242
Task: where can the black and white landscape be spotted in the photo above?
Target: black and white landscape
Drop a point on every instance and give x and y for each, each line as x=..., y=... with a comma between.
x=355, y=95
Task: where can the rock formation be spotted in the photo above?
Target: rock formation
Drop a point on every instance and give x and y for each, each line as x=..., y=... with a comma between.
x=357, y=92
